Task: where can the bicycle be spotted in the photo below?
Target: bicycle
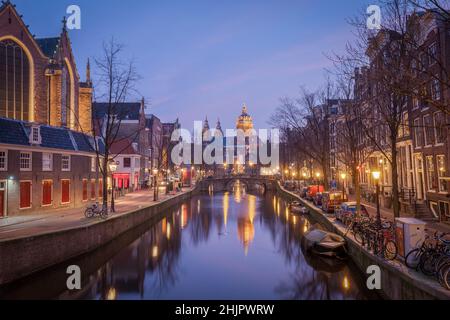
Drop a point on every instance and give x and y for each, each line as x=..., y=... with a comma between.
x=94, y=210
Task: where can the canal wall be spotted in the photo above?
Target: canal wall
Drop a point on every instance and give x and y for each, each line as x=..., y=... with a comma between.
x=397, y=281
x=22, y=257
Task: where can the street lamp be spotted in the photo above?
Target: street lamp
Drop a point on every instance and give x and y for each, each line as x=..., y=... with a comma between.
x=318, y=181
x=113, y=168
x=376, y=176
x=343, y=177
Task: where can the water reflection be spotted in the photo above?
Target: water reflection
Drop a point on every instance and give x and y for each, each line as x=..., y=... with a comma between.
x=215, y=246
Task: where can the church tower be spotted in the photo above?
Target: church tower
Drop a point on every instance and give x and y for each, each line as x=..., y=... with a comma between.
x=245, y=121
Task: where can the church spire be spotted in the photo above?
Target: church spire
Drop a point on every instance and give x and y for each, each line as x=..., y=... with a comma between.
x=88, y=73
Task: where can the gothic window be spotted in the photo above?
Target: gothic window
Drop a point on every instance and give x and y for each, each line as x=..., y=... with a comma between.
x=14, y=81
x=66, y=108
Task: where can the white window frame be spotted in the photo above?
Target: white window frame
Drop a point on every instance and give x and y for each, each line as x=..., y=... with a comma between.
x=50, y=161
x=67, y=169
x=93, y=164
x=441, y=173
x=30, y=161
x=430, y=173
x=35, y=135
x=5, y=167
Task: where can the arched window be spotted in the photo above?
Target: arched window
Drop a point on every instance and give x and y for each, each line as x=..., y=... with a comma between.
x=66, y=108
x=14, y=81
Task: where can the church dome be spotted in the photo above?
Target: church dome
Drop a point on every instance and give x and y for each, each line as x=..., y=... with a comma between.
x=245, y=121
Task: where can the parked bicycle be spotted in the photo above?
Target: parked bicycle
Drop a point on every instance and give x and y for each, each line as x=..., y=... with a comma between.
x=96, y=210
x=432, y=258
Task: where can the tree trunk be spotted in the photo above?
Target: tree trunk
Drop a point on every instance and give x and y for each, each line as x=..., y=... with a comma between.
x=395, y=191
x=105, y=180
x=356, y=184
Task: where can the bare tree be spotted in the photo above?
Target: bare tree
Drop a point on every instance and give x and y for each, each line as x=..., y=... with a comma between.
x=117, y=78
x=306, y=121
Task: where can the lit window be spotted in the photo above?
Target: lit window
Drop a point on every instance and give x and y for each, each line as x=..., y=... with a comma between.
x=431, y=178
x=3, y=160
x=65, y=163
x=25, y=161
x=441, y=166
x=47, y=162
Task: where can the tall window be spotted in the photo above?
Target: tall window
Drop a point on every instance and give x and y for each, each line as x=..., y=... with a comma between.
x=418, y=132
x=429, y=130
x=432, y=53
x=3, y=160
x=441, y=166
x=25, y=194
x=85, y=190
x=93, y=164
x=14, y=81
x=65, y=191
x=93, y=189
x=440, y=127
x=431, y=178
x=435, y=89
x=47, y=188
x=25, y=161
x=126, y=162
x=65, y=163
x=47, y=162
x=66, y=91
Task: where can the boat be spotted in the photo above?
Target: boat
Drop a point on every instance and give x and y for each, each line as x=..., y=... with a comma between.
x=297, y=208
x=325, y=243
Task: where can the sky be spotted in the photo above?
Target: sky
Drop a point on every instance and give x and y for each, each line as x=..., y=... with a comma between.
x=206, y=58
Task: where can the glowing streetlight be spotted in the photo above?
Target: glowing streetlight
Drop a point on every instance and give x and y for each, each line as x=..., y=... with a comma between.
x=376, y=176
x=343, y=177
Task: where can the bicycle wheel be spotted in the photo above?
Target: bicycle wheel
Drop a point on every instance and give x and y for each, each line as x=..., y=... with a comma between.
x=89, y=213
x=390, y=250
x=427, y=263
x=104, y=214
x=412, y=259
x=445, y=276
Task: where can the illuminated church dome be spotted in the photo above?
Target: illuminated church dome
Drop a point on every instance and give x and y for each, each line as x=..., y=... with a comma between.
x=245, y=121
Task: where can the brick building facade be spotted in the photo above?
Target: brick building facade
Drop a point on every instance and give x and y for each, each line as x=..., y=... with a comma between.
x=46, y=156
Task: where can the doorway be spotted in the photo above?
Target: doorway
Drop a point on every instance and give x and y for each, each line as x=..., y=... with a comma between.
x=3, y=213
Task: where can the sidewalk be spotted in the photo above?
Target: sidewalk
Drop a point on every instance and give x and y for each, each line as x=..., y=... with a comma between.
x=389, y=215
x=21, y=226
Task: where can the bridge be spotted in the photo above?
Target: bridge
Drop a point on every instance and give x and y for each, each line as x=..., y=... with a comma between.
x=227, y=183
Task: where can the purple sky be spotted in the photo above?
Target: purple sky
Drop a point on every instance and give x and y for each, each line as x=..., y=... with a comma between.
x=199, y=58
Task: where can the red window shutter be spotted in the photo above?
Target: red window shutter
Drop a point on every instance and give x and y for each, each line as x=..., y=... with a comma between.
x=25, y=195
x=92, y=189
x=85, y=190
x=65, y=191
x=47, y=193
x=100, y=188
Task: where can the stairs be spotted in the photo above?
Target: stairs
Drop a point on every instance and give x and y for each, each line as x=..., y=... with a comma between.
x=424, y=213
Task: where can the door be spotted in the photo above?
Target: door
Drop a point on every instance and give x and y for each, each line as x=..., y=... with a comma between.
x=2, y=204
x=420, y=179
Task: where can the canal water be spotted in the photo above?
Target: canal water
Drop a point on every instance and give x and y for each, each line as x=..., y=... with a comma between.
x=231, y=245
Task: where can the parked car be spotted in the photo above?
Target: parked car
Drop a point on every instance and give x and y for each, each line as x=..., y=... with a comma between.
x=312, y=191
x=332, y=200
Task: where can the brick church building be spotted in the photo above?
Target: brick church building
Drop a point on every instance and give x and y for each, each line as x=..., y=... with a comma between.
x=46, y=157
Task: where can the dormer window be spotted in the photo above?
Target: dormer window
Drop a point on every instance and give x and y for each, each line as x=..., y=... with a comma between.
x=35, y=135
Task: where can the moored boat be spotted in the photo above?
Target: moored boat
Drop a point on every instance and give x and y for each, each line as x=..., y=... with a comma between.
x=325, y=243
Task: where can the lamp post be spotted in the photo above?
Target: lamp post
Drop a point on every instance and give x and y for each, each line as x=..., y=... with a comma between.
x=318, y=181
x=155, y=185
x=343, y=176
x=376, y=176
x=113, y=167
